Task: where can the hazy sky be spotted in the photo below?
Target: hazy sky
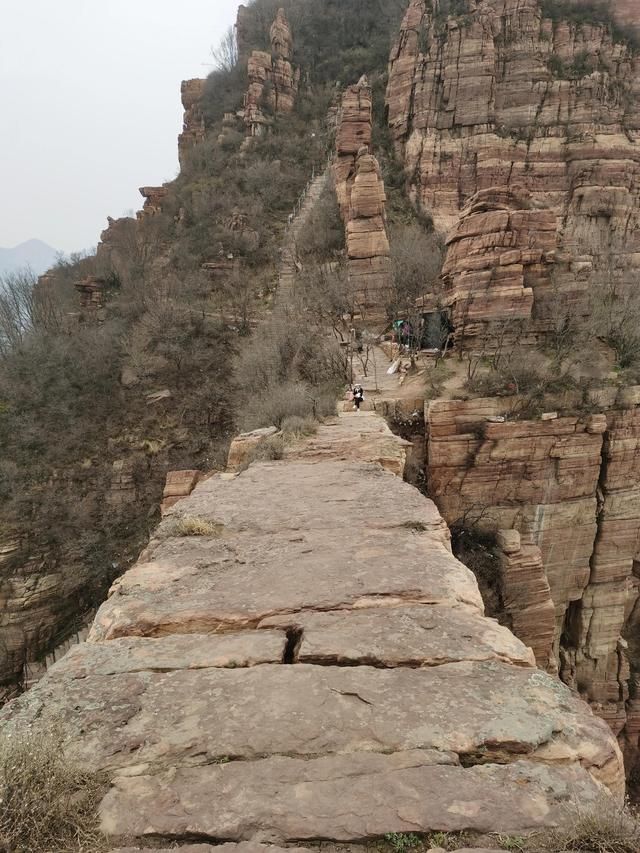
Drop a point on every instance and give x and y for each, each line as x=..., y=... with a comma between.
x=90, y=107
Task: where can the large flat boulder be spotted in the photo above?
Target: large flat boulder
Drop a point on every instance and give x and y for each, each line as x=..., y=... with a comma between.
x=477, y=711
x=401, y=636
x=199, y=584
x=344, y=798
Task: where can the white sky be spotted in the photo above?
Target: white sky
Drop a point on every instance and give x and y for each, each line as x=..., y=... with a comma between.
x=90, y=107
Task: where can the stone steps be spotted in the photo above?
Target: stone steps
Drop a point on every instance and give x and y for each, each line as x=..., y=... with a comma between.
x=287, y=272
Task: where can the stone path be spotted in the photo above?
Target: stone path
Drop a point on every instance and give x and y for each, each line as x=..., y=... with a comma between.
x=319, y=668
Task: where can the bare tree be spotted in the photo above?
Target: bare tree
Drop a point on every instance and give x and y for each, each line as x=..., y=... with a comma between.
x=225, y=55
x=24, y=306
x=615, y=312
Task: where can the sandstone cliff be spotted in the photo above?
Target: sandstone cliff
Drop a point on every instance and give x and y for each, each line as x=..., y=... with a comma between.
x=528, y=127
x=273, y=81
x=361, y=197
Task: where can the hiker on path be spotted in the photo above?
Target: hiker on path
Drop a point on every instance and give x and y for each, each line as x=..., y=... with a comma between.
x=358, y=397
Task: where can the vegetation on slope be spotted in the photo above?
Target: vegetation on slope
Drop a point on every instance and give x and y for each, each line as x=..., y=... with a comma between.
x=95, y=409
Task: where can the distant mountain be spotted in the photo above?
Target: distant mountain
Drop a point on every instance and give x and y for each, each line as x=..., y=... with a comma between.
x=32, y=253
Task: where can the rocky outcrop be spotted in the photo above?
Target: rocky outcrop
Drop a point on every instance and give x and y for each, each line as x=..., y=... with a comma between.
x=244, y=446
x=273, y=81
x=322, y=592
x=91, y=293
x=193, y=127
x=526, y=595
x=498, y=102
x=178, y=485
x=361, y=197
x=571, y=488
x=497, y=265
x=153, y=199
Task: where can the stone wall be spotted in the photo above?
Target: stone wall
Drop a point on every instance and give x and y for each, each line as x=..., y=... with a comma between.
x=571, y=488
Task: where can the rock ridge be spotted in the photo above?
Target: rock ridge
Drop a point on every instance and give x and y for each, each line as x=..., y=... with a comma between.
x=315, y=665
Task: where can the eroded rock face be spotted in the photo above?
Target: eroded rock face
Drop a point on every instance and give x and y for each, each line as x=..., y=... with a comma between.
x=273, y=81
x=571, y=488
x=361, y=197
x=193, y=129
x=498, y=263
x=502, y=101
x=319, y=666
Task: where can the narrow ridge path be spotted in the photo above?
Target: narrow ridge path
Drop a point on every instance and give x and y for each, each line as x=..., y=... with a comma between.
x=315, y=666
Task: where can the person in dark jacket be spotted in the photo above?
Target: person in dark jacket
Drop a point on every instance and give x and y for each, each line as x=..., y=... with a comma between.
x=358, y=397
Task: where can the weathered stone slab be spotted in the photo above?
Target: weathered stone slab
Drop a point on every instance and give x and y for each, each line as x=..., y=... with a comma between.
x=241, y=847
x=346, y=798
x=174, y=652
x=402, y=636
x=368, y=439
x=200, y=585
x=492, y=710
x=270, y=497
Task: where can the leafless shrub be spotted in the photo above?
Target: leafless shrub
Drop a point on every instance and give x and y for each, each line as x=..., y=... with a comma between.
x=416, y=263
x=48, y=803
x=604, y=827
x=24, y=307
x=295, y=427
x=615, y=313
x=225, y=55
x=192, y=525
x=278, y=402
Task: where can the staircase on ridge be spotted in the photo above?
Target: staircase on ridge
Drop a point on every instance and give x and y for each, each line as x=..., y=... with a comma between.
x=287, y=268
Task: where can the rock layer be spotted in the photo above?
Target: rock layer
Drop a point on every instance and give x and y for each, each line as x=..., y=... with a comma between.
x=502, y=101
x=273, y=81
x=571, y=487
x=317, y=666
x=361, y=197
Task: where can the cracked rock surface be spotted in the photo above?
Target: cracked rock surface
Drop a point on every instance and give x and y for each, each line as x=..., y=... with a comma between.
x=318, y=668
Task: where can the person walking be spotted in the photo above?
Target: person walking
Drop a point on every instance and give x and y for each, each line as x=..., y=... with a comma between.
x=358, y=397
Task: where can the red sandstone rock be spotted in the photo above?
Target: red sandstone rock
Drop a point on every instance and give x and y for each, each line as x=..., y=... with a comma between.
x=476, y=106
x=178, y=485
x=526, y=596
x=193, y=129
x=548, y=480
x=361, y=197
x=273, y=81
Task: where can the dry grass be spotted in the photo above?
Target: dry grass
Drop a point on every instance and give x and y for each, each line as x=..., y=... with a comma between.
x=294, y=428
x=192, y=525
x=604, y=828
x=48, y=803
